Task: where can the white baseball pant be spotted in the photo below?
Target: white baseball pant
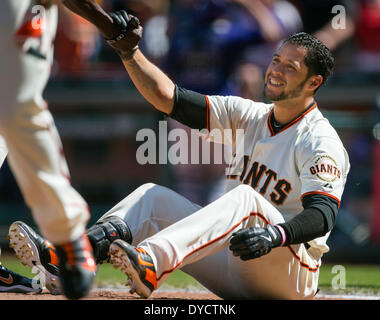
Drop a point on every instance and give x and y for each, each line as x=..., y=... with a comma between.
x=179, y=234
x=3, y=151
x=34, y=147
x=38, y=164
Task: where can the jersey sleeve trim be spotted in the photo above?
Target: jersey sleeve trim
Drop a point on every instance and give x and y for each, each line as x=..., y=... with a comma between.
x=323, y=193
x=207, y=113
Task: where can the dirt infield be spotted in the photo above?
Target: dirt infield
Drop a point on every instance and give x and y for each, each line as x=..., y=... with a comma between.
x=113, y=294
x=122, y=294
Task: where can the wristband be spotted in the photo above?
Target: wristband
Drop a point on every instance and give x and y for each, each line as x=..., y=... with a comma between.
x=283, y=235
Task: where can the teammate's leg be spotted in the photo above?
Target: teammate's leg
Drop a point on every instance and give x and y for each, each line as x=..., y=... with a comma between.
x=3, y=150
x=34, y=148
x=37, y=162
x=36, y=159
x=11, y=281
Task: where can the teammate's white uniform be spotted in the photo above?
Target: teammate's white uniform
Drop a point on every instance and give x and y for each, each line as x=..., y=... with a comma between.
x=266, y=187
x=35, y=150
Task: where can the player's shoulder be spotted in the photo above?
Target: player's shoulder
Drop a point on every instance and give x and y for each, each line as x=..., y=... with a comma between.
x=248, y=105
x=318, y=133
x=319, y=140
x=318, y=126
x=234, y=104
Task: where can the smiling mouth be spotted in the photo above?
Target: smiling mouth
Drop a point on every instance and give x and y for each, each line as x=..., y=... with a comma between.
x=275, y=83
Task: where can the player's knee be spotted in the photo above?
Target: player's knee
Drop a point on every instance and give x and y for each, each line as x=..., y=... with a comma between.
x=151, y=191
x=246, y=189
x=146, y=187
x=247, y=194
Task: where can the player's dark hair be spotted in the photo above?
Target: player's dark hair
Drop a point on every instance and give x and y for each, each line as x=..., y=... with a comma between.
x=319, y=59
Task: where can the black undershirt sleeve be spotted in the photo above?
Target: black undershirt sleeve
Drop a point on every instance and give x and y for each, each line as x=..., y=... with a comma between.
x=317, y=218
x=190, y=108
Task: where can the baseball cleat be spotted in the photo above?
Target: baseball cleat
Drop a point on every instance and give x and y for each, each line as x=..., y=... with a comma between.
x=137, y=265
x=77, y=267
x=36, y=253
x=13, y=282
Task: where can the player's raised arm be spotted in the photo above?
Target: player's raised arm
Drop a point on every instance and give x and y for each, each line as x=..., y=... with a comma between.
x=123, y=33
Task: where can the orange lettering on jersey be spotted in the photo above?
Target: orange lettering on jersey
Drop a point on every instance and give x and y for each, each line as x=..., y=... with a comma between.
x=325, y=168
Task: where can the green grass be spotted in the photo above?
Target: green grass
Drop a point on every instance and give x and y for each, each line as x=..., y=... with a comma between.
x=109, y=276
x=358, y=278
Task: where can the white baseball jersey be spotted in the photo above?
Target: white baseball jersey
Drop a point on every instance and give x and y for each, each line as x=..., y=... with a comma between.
x=305, y=157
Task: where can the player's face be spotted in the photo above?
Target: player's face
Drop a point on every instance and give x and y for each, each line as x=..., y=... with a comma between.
x=287, y=74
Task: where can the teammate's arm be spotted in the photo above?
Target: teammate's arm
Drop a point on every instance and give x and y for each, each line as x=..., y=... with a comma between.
x=123, y=32
x=94, y=13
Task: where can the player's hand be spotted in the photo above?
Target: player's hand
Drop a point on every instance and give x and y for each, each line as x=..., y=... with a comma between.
x=128, y=33
x=122, y=31
x=251, y=243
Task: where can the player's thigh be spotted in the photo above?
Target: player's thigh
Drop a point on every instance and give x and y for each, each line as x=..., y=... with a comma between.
x=214, y=273
x=278, y=275
x=220, y=274
x=150, y=209
x=284, y=273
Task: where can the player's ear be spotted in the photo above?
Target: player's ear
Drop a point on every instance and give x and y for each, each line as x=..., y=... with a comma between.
x=314, y=82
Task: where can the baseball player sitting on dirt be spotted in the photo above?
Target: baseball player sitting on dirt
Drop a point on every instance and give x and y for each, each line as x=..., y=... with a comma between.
x=265, y=237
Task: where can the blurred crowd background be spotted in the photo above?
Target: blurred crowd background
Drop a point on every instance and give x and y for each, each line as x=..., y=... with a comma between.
x=214, y=47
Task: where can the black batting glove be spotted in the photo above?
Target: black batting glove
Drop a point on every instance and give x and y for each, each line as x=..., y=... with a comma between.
x=251, y=243
x=129, y=33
